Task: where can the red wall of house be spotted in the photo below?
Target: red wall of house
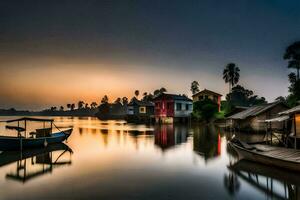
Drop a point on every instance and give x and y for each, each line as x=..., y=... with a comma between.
x=162, y=109
x=219, y=103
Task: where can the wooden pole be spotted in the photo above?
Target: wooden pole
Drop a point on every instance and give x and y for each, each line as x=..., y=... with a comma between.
x=295, y=131
x=51, y=128
x=25, y=127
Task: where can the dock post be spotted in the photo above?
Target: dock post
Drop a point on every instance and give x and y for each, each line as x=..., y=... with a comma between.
x=295, y=133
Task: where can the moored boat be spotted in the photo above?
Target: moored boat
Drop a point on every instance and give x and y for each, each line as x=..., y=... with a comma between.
x=38, y=138
x=268, y=155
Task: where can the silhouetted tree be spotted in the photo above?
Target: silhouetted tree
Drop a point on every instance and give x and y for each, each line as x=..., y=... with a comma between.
x=231, y=75
x=86, y=106
x=136, y=93
x=280, y=98
x=159, y=91
x=240, y=96
x=148, y=97
x=69, y=106
x=72, y=106
x=124, y=100
x=80, y=104
x=292, y=54
x=195, y=87
x=156, y=92
x=104, y=100
x=53, y=108
x=118, y=100
x=61, y=108
x=294, y=90
x=93, y=105
x=163, y=90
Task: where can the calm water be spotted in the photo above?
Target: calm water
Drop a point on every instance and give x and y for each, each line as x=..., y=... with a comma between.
x=114, y=160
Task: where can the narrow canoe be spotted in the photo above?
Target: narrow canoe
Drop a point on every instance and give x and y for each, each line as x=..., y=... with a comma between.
x=269, y=155
x=16, y=143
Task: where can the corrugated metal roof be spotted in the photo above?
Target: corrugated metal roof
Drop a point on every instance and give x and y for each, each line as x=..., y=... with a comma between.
x=278, y=119
x=290, y=111
x=253, y=111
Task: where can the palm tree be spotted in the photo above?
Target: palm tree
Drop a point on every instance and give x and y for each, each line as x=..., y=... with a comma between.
x=195, y=87
x=93, y=105
x=124, y=100
x=69, y=106
x=137, y=93
x=80, y=104
x=231, y=75
x=72, y=106
x=118, y=100
x=292, y=54
x=104, y=100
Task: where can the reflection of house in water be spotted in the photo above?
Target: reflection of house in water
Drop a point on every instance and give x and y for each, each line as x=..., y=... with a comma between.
x=207, y=142
x=274, y=182
x=32, y=163
x=167, y=136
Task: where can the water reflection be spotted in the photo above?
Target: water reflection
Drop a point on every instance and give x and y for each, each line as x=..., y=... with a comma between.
x=231, y=183
x=32, y=163
x=274, y=182
x=115, y=160
x=207, y=142
x=167, y=136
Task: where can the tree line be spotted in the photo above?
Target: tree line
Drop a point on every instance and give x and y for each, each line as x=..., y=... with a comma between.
x=238, y=95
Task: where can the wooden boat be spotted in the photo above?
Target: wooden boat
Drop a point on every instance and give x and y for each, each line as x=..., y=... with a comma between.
x=39, y=138
x=268, y=155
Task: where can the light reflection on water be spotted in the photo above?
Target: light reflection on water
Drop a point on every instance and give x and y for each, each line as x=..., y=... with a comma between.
x=115, y=160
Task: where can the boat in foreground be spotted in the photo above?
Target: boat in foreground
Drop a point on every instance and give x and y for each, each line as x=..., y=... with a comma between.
x=38, y=138
x=269, y=155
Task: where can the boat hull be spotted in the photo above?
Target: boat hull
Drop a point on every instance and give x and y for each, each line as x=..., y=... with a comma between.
x=263, y=159
x=16, y=143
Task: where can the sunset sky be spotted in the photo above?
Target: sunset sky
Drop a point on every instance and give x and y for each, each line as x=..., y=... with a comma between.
x=63, y=51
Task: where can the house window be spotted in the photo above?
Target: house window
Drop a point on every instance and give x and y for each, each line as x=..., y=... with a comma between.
x=206, y=96
x=200, y=98
x=142, y=109
x=178, y=106
x=186, y=106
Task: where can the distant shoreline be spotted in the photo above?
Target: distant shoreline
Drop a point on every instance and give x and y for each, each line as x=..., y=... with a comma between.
x=69, y=113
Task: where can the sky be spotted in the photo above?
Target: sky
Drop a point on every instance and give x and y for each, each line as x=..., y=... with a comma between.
x=58, y=52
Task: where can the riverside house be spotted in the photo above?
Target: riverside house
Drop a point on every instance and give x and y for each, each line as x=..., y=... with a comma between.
x=171, y=108
x=139, y=111
x=294, y=116
x=253, y=118
x=208, y=94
